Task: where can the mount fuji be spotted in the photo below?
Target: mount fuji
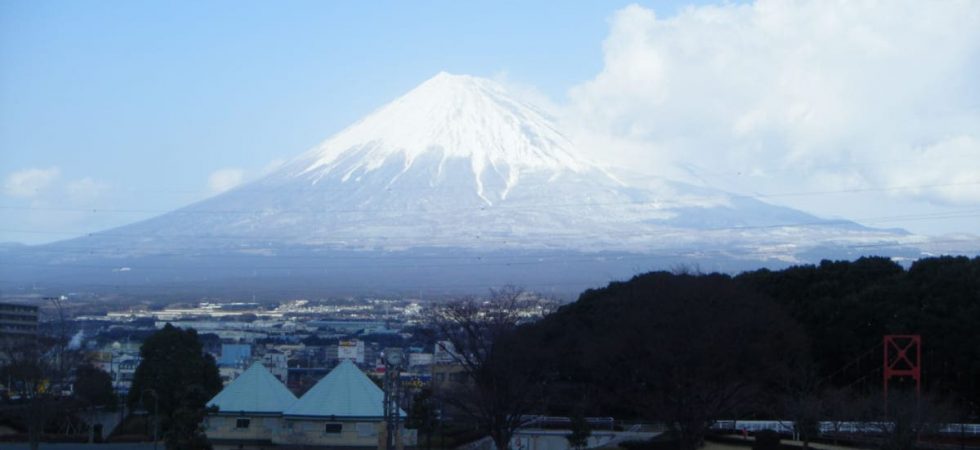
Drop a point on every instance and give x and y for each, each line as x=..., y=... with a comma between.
x=457, y=185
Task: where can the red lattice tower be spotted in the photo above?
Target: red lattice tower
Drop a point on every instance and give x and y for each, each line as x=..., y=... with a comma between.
x=903, y=358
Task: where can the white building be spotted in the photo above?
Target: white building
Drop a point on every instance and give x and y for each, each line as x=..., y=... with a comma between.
x=278, y=364
x=445, y=353
x=351, y=350
x=420, y=359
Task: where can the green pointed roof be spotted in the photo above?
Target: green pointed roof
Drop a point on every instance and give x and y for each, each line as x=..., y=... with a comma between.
x=255, y=391
x=344, y=392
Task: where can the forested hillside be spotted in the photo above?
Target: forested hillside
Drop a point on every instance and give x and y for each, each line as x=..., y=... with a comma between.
x=846, y=307
x=696, y=347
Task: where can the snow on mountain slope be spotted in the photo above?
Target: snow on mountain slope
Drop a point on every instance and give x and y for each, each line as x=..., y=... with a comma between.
x=456, y=117
x=459, y=162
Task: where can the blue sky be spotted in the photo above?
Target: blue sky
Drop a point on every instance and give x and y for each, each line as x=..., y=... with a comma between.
x=132, y=107
x=110, y=89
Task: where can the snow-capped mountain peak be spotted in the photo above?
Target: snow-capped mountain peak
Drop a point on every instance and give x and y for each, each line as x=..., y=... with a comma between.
x=458, y=162
x=449, y=118
x=456, y=183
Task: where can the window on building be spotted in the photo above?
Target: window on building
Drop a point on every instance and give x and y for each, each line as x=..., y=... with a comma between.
x=334, y=428
x=243, y=423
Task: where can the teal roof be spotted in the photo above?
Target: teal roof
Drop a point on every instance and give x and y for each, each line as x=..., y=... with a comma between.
x=344, y=392
x=255, y=390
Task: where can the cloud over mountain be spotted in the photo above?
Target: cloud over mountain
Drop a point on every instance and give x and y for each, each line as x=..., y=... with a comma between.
x=224, y=179
x=798, y=95
x=29, y=183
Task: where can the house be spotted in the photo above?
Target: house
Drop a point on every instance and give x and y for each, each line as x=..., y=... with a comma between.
x=345, y=409
x=124, y=372
x=249, y=411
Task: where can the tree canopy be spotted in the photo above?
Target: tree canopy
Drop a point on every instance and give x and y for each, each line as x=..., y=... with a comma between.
x=846, y=307
x=804, y=342
x=684, y=350
x=176, y=378
x=93, y=387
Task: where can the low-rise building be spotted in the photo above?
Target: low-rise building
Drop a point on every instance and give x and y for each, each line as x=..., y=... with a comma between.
x=344, y=410
x=124, y=372
x=119, y=360
x=233, y=355
x=277, y=363
x=249, y=411
x=420, y=359
x=352, y=350
x=444, y=353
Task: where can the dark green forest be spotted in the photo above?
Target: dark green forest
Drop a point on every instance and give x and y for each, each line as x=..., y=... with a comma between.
x=846, y=307
x=691, y=348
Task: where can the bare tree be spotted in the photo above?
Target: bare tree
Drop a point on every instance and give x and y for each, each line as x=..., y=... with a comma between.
x=838, y=409
x=500, y=381
x=29, y=365
x=37, y=367
x=803, y=402
x=903, y=420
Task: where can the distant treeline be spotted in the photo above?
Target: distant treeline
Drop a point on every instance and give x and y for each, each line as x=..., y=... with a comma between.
x=691, y=346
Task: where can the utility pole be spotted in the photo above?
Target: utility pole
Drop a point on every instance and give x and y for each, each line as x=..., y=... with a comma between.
x=58, y=304
x=156, y=413
x=392, y=389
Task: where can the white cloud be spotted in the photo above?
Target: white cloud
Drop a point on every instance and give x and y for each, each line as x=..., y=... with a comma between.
x=272, y=166
x=527, y=92
x=48, y=203
x=949, y=168
x=808, y=95
x=222, y=180
x=86, y=189
x=30, y=183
